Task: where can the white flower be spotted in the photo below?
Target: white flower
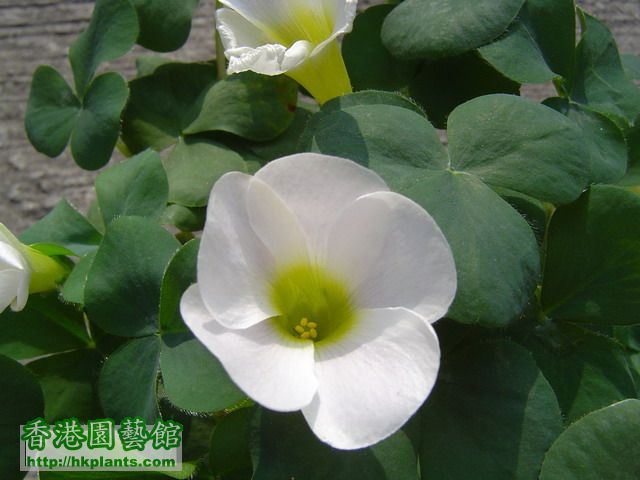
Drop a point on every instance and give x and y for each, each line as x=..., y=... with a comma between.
x=15, y=272
x=296, y=37
x=317, y=287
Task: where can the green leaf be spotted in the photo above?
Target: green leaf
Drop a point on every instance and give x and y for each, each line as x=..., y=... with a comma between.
x=491, y=413
x=52, y=250
x=164, y=103
x=600, y=80
x=372, y=97
x=122, y=294
x=441, y=86
x=601, y=445
x=396, y=142
x=194, y=165
x=98, y=124
x=187, y=472
x=587, y=371
x=164, y=24
x=67, y=381
x=64, y=226
x=111, y=33
x=288, y=142
x=55, y=116
x=194, y=379
x=518, y=144
x=44, y=326
x=184, y=218
x=432, y=29
x=494, y=249
x=254, y=107
x=136, y=187
x=148, y=64
x=369, y=63
x=128, y=380
x=52, y=111
x=605, y=141
x=283, y=446
x=631, y=65
x=532, y=210
x=632, y=178
x=592, y=271
x=539, y=45
x=229, y=450
x=73, y=288
x=179, y=275
x=21, y=401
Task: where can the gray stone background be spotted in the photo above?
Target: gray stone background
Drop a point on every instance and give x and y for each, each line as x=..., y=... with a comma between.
x=33, y=32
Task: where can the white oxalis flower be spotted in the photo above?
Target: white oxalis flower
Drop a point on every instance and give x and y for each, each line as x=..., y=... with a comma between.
x=317, y=287
x=296, y=37
x=15, y=272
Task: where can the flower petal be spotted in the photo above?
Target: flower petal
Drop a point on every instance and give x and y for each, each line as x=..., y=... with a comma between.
x=273, y=370
x=372, y=380
x=248, y=48
x=393, y=254
x=11, y=258
x=236, y=31
x=9, y=289
x=249, y=233
x=10, y=239
x=316, y=188
x=286, y=21
x=341, y=14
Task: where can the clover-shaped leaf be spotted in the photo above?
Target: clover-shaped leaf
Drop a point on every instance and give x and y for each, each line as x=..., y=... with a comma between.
x=55, y=116
x=164, y=24
x=592, y=270
x=539, y=45
x=431, y=29
x=600, y=80
x=608, y=432
x=111, y=33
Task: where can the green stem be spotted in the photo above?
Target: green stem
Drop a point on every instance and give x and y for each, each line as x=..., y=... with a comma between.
x=221, y=63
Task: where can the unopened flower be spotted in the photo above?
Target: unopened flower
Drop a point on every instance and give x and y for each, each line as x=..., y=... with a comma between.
x=316, y=290
x=24, y=270
x=295, y=37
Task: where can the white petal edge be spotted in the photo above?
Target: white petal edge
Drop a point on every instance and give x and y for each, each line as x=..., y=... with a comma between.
x=15, y=272
x=236, y=31
x=248, y=48
x=9, y=288
x=246, y=29
x=393, y=254
x=12, y=258
x=271, y=369
x=316, y=188
x=342, y=13
x=235, y=263
x=371, y=381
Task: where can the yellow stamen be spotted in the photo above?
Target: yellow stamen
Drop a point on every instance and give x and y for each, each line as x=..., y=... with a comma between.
x=306, y=329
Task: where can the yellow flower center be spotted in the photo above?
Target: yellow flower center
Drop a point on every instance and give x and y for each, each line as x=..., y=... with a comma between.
x=311, y=303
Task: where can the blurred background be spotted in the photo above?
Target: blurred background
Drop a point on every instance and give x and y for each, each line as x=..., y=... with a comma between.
x=34, y=32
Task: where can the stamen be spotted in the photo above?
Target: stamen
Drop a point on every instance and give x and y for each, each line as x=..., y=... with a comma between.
x=306, y=329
